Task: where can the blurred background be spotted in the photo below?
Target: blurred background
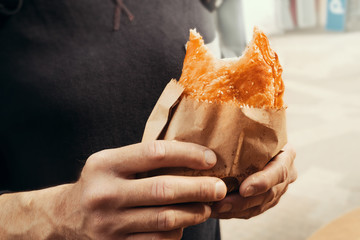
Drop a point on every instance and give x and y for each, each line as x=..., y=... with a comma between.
x=318, y=43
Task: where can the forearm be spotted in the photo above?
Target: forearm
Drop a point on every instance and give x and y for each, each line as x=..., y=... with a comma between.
x=35, y=215
x=107, y=202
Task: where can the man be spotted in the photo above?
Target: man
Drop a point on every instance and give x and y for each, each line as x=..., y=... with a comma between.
x=72, y=89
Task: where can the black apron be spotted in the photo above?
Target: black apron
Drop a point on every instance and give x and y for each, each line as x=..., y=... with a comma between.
x=71, y=86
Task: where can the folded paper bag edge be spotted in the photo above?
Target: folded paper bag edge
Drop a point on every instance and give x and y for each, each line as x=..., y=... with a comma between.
x=172, y=110
x=160, y=115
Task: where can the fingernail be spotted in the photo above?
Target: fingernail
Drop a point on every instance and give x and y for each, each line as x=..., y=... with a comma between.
x=220, y=189
x=225, y=208
x=210, y=157
x=250, y=191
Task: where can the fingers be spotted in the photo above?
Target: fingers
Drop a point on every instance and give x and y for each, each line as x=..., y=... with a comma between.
x=236, y=203
x=159, y=190
x=147, y=221
x=144, y=157
x=245, y=214
x=170, y=235
x=280, y=169
x=161, y=219
x=236, y=206
x=164, y=190
x=289, y=158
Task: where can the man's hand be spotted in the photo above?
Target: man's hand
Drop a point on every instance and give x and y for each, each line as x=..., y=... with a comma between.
x=260, y=191
x=107, y=202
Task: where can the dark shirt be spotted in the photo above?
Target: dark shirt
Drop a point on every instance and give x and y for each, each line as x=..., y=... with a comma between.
x=70, y=86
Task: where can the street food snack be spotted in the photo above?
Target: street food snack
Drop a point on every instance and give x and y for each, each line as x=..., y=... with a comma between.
x=233, y=106
x=253, y=79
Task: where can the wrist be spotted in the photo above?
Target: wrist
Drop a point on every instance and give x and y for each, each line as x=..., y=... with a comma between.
x=37, y=214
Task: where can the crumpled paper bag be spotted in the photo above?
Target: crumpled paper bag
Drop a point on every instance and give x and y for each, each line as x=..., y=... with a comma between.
x=243, y=139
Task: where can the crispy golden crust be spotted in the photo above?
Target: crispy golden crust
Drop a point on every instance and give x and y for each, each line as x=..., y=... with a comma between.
x=252, y=80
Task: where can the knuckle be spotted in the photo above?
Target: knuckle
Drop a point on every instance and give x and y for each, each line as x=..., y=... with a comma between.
x=94, y=161
x=271, y=194
x=163, y=190
x=156, y=150
x=294, y=176
x=205, y=191
x=284, y=174
x=166, y=220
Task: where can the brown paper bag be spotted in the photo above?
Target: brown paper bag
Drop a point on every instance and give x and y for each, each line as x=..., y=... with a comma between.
x=244, y=139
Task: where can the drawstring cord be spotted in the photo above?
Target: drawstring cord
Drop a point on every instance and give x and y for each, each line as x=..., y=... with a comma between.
x=119, y=7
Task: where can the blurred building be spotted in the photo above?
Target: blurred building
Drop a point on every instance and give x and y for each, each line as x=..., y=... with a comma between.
x=281, y=16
